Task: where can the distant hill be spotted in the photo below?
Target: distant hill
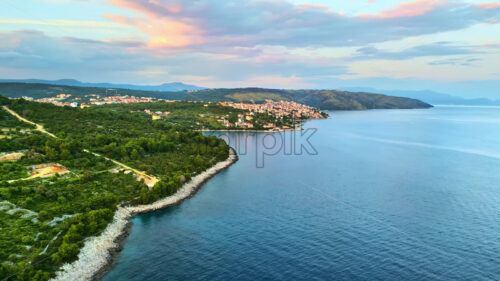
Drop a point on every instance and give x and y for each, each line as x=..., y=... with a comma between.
x=331, y=98
x=175, y=86
x=322, y=99
x=432, y=97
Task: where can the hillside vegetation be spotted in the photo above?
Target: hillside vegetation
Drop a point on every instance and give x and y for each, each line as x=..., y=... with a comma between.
x=322, y=99
x=44, y=220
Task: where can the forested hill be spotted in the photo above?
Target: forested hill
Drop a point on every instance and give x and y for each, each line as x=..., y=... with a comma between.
x=322, y=99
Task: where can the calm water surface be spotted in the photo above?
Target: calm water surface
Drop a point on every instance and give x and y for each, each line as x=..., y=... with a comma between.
x=391, y=195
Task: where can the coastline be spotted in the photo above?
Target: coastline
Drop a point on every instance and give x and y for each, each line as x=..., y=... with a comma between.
x=99, y=253
x=298, y=128
x=250, y=131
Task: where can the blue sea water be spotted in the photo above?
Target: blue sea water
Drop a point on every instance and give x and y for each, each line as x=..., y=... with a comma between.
x=390, y=195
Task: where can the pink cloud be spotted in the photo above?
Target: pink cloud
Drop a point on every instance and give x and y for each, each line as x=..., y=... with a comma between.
x=151, y=8
x=491, y=45
x=408, y=9
x=488, y=6
x=213, y=26
x=320, y=8
x=163, y=32
x=313, y=6
x=160, y=23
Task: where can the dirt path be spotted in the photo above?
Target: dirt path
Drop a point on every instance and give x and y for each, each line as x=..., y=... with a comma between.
x=38, y=126
x=149, y=180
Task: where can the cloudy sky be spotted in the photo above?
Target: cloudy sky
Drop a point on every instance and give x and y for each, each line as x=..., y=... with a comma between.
x=443, y=45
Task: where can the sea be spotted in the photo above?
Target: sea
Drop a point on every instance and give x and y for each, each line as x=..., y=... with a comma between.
x=363, y=195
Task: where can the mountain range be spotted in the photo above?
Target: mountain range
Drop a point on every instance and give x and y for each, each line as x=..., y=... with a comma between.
x=170, y=87
x=427, y=96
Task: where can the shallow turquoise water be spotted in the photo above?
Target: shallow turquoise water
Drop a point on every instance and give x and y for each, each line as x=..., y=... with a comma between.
x=391, y=195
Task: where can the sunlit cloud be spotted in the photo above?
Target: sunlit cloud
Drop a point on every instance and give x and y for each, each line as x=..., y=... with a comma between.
x=278, y=43
x=208, y=23
x=407, y=9
x=90, y=24
x=163, y=32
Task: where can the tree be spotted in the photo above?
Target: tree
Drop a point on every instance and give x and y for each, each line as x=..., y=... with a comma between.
x=144, y=195
x=65, y=154
x=4, y=270
x=43, y=215
x=41, y=276
x=87, y=176
x=5, y=193
x=56, y=258
x=135, y=154
x=68, y=251
x=51, y=153
x=73, y=234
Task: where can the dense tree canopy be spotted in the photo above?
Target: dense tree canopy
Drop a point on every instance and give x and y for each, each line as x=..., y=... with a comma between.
x=44, y=221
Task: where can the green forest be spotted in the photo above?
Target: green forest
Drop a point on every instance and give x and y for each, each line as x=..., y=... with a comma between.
x=44, y=220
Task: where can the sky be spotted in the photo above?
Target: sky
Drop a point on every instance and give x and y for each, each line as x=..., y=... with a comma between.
x=448, y=46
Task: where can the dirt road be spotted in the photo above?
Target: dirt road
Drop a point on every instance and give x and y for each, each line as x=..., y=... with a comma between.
x=38, y=126
x=149, y=180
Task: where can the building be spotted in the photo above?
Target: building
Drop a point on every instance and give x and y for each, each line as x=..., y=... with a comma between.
x=269, y=125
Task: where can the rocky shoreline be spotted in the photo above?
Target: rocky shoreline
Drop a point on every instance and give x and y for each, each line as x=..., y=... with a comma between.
x=251, y=131
x=99, y=253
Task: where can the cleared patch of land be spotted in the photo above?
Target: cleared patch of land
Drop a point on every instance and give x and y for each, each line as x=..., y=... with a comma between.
x=14, y=156
x=46, y=170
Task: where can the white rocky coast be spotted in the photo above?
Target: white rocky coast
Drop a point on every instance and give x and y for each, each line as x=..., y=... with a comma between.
x=97, y=253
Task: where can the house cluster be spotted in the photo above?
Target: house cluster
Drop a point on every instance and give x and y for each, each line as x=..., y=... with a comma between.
x=94, y=99
x=156, y=115
x=279, y=109
x=98, y=100
x=57, y=100
x=242, y=122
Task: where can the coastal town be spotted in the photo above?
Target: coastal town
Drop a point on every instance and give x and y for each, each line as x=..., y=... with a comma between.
x=279, y=109
x=269, y=115
x=285, y=114
x=93, y=99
